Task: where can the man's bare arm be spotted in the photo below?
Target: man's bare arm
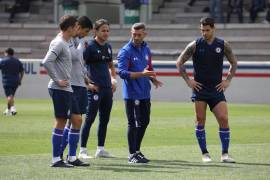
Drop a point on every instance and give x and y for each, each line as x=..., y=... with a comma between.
x=184, y=56
x=232, y=60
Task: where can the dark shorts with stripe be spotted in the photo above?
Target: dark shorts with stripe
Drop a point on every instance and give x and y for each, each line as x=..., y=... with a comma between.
x=79, y=100
x=211, y=96
x=10, y=91
x=62, y=102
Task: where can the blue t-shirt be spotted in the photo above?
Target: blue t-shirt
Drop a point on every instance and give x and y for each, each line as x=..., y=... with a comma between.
x=96, y=58
x=208, y=62
x=11, y=68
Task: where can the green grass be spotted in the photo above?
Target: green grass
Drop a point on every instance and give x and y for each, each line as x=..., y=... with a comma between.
x=25, y=147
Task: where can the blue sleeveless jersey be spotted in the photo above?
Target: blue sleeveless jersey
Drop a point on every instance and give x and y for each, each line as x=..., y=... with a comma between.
x=208, y=62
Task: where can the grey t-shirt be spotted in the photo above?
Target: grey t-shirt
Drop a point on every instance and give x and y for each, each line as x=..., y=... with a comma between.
x=58, y=63
x=78, y=72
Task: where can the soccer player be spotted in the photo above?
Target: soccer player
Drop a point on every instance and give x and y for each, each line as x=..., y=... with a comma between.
x=101, y=71
x=136, y=70
x=12, y=74
x=79, y=81
x=58, y=63
x=208, y=88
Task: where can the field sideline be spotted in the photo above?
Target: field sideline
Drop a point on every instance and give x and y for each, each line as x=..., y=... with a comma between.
x=25, y=147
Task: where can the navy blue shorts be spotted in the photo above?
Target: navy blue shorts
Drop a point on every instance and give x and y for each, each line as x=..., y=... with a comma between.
x=79, y=100
x=10, y=91
x=212, y=97
x=62, y=102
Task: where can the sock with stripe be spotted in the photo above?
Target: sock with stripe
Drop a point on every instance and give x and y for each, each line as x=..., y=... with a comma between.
x=224, y=134
x=201, y=138
x=65, y=139
x=57, y=136
x=73, y=139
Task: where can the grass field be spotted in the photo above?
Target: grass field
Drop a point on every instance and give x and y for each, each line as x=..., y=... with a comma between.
x=25, y=147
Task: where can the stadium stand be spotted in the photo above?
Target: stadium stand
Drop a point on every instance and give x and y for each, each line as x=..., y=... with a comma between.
x=31, y=34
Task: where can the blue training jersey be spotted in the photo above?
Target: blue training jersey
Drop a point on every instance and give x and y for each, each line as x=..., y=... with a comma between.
x=134, y=59
x=96, y=58
x=208, y=62
x=11, y=68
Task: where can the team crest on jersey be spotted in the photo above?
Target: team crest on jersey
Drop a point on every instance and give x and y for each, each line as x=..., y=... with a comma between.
x=218, y=50
x=137, y=102
x=96, y=97
x=146, y=57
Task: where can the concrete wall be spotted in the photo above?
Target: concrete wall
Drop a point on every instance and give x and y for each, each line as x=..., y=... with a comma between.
x=246, y=88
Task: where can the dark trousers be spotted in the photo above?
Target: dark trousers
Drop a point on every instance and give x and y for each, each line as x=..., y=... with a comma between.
x=97, y=102
x=256, y=7
x=235, y=6
x=138, y=116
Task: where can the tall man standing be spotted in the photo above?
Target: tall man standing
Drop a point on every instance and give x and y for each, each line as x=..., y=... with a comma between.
x=12, y=74
x=208, y=87
x=101, y=71
x=135, y=68
x=58, y=63
x=79, y=84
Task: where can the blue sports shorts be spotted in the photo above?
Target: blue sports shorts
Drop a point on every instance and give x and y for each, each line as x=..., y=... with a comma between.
x=62, y=102
x=212, y=97
x=79, y=100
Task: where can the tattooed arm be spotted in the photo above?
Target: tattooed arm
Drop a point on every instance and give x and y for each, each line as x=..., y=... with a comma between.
x=232, y=60
x=233, y=65
x=184, y=56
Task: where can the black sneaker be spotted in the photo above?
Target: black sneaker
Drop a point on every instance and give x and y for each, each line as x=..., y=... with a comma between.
x=135, y=159
x=61, y=164
x=140, y=155
x=78, y=162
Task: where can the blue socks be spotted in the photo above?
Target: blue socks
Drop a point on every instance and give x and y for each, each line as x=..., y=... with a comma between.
x=57, y=136
x=65, y=139
x=224, y=134
x=200, y=134
x=73, y=139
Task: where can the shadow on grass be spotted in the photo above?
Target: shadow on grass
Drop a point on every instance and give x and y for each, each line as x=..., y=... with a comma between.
x=253, y=164
x=165, y=166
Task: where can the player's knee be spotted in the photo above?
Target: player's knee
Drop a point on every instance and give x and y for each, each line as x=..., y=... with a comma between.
x=223, y=118
x=200, y=119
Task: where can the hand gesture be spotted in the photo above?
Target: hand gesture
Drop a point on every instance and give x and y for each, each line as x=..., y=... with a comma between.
x=147, y=73
x=157, y=83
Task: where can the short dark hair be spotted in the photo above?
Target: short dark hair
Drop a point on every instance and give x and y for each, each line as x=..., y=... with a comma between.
x=67, y=21
x=9, y=51
x=85, y=22
x=100, y=22
x=138, y=26
x=207, y=21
